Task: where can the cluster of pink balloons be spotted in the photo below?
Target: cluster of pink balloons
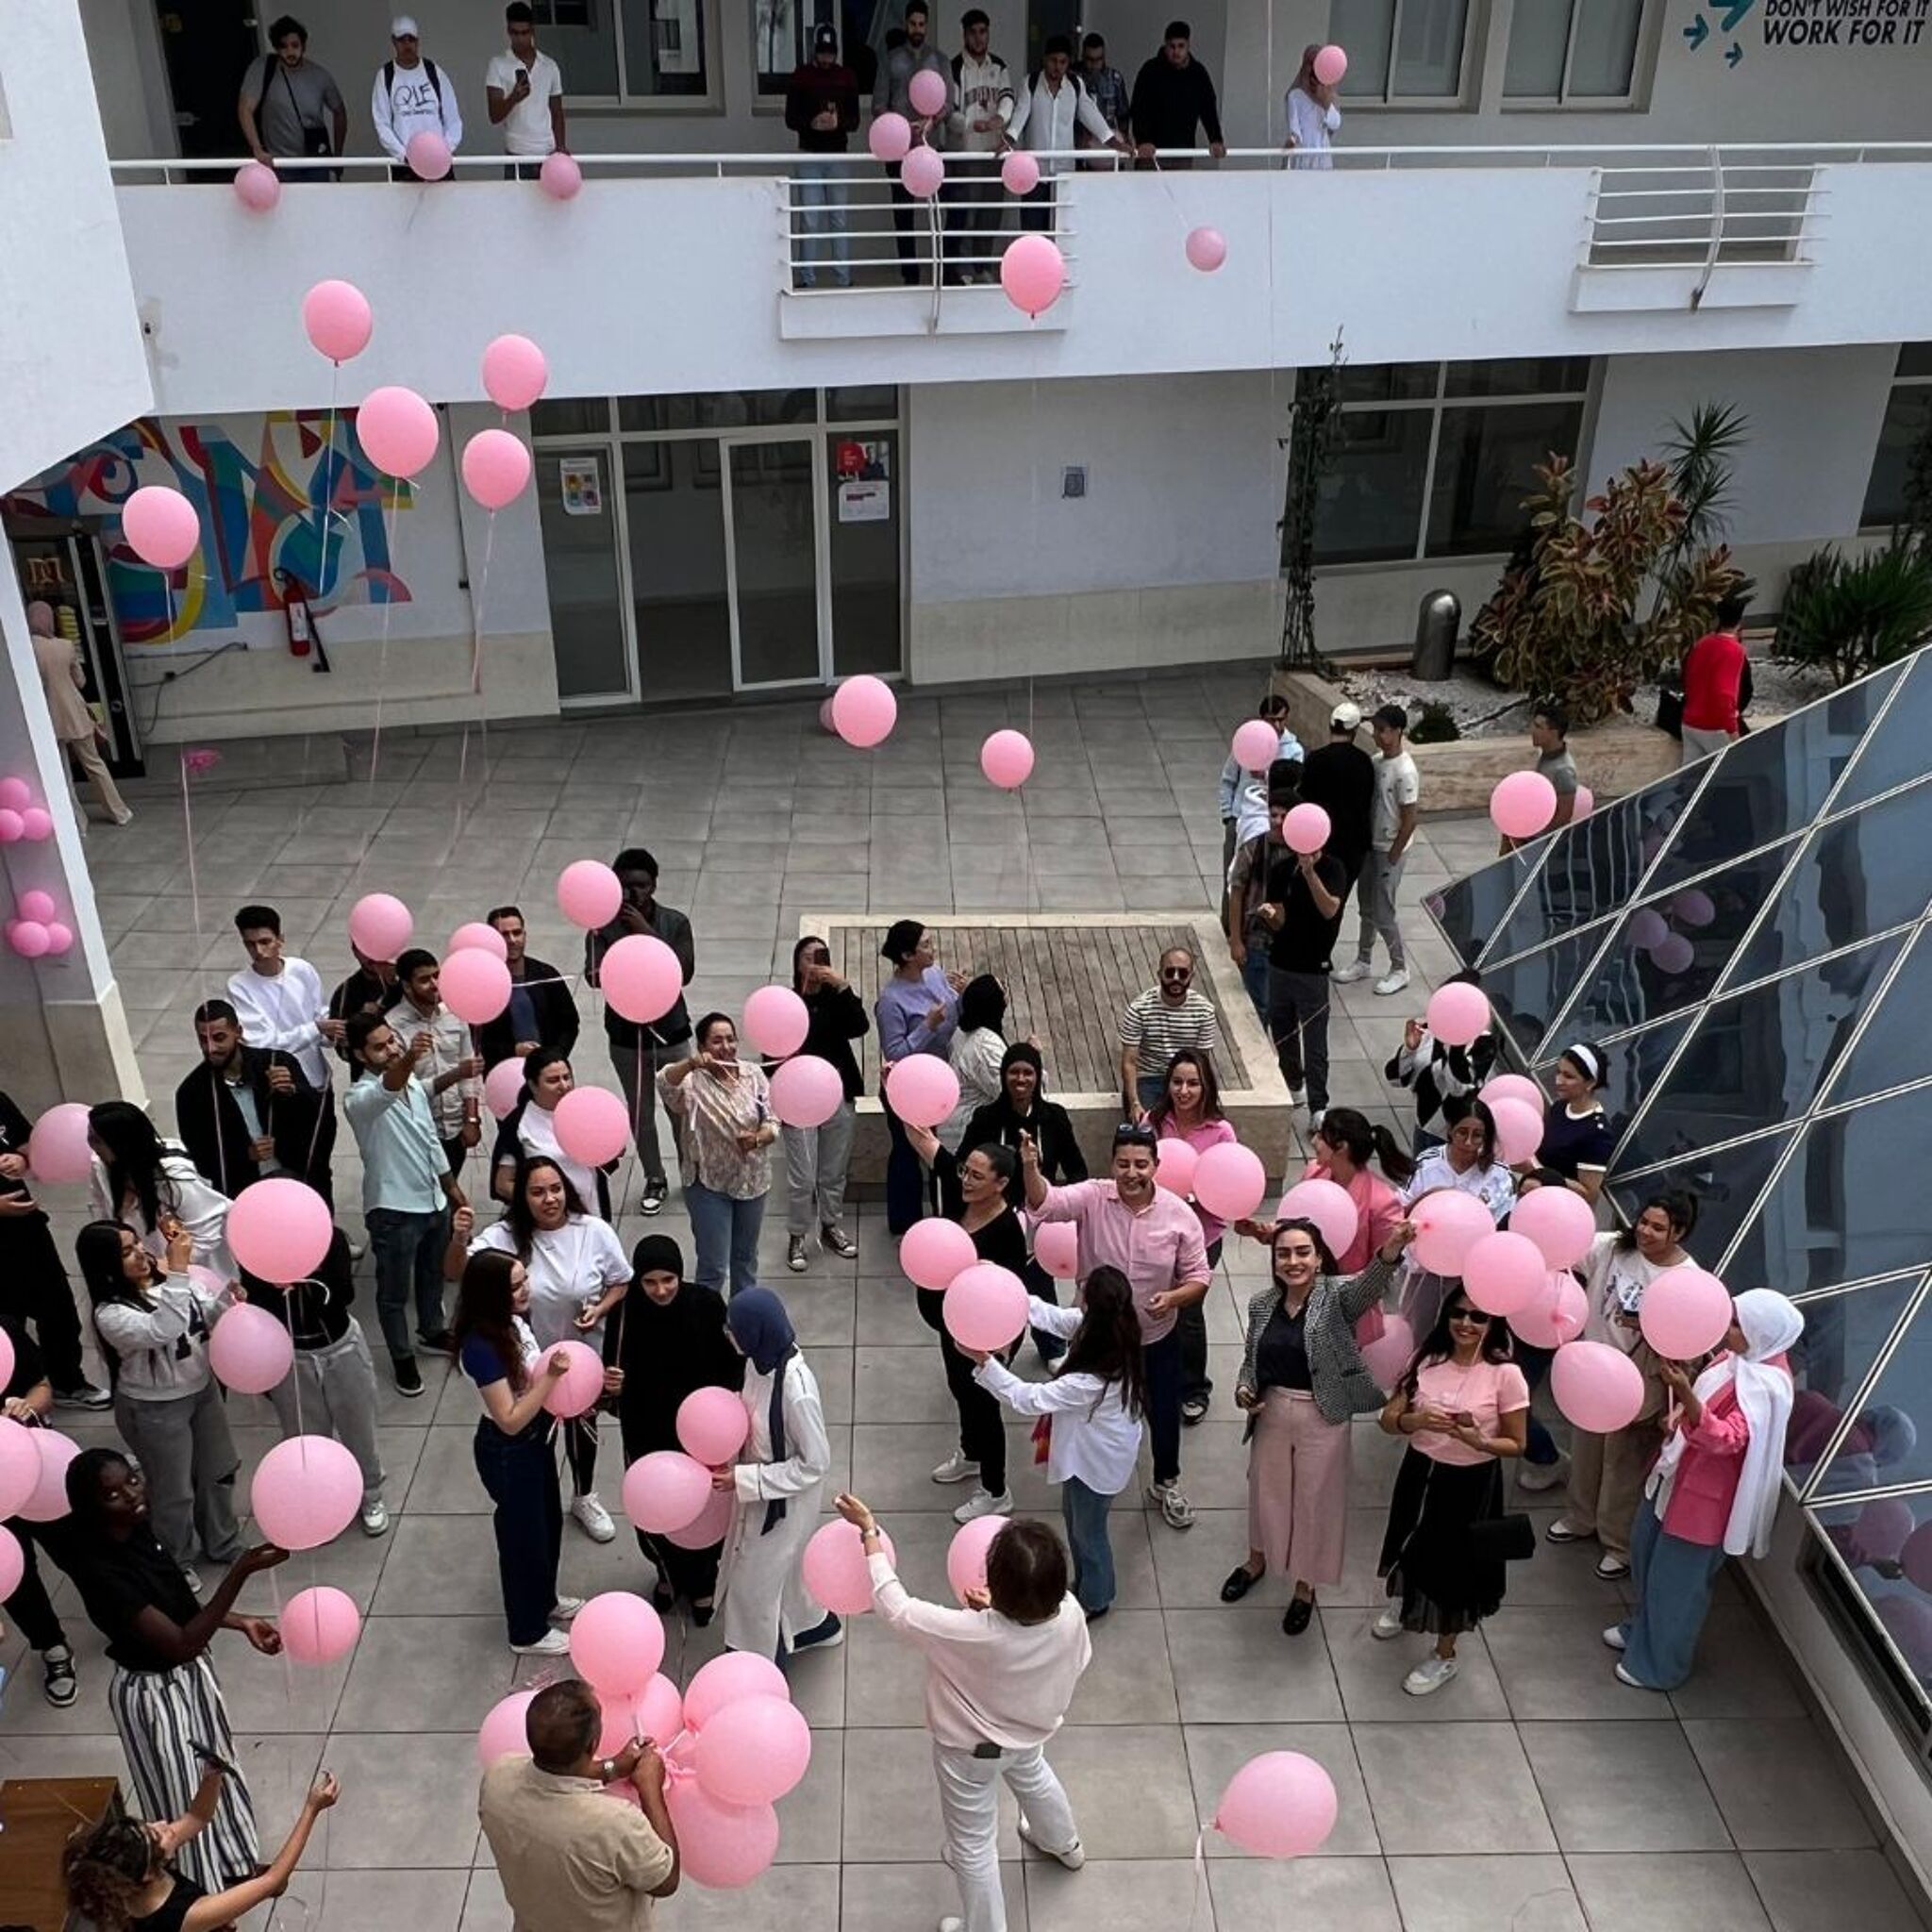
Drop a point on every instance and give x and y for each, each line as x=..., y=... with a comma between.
x=1651, y=932
x=20, y=817
x=35, y=932
x=1522, y=804
x=1281, y=1805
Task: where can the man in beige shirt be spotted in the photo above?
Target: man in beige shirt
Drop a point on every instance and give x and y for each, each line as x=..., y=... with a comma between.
x=73, y=725
x=569, y=1858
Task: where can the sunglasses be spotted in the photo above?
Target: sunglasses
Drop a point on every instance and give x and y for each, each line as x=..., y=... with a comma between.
x=1474, y=1316
x=1176, y=972
x=1134, y=1134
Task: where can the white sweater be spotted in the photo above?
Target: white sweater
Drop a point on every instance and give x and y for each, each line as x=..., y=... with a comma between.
x=162, y=1351
x=185, y=1194
x=280, y=1010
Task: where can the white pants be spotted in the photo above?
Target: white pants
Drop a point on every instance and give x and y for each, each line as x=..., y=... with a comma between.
x=970, y=1805
x=1702, y=744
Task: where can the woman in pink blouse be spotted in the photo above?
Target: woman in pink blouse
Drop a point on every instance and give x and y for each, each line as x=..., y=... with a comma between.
x=1345, y=1142
x=1190, y=1109
x=1714, y=1491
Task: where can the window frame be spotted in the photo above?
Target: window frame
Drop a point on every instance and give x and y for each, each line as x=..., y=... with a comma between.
x=808, y=14
x=1635, y=98
x=1474, y=28
x=1899, y=387
x=711, y=101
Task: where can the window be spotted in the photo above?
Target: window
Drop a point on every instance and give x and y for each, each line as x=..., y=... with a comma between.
x=637, y=52
x=1402, y=50
x=1435, y=461
x=1564, y=51
x=1908, y=423
x=782, y=34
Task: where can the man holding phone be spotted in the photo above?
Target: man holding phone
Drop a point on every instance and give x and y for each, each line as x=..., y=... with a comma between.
x=525, y=90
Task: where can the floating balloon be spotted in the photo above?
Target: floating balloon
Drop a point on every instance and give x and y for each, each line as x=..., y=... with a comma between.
x=503, y=1087
x=1229, y=1180
x=1020, y=172
x=1503, y=1272
x=582, y=1383
x=1280, y=1804
x=835, y=1568
x=399, y=433
x=1512, y=1087
x=1306, y=828
x=927, y=92
x=1558, y=1314
x=1518, y=1131
x=1389, y=1354
x=753, y=1751
x=1056, y=1248
x=429, y=154
x=1329, y=1206
x=1596, y=1386
x=48, y=1503
x=336, y=317
x=257, y=187
x=864, y=711
x=1558, y=1222
x=381, y=925
x=890, y=138
x=922, y=173
x=1206, y=249
x=1448, y=1223
x=641, y=978
x=1033, y=272
x=617, y=1642
x=1673, y=954
x=1685, y=1313
x=476, y=985
x=1256, y=746
x=1459, y=1013
x=161, y=527
x=280, y=1229
x=560, y=177
x=776, y=1022
x=589, y=893
x=249, y=1350
x=497, y=468
x=667, y=1490
x=1331, y=63
x=806, y=1091
x=985, y=1306
x=320, y=1626
x=478, y=937
x=307, y=1489
x=1522, y=804
x=712, y=1425
x=725, y=1680
x=719, y=1847
x=1006, y=756
x=515, y=374
x=57, y=1150
x=923, y=1090
x=1648, y=929
x=1583, y=803
x=501, y=1732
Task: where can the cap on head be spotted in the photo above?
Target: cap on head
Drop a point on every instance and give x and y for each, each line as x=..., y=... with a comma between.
x=403, y=27
x=825, y=39
x=1345, y=717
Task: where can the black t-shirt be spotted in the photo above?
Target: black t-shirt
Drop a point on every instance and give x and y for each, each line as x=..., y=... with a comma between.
x=1306, y=940
x=1341, y=778
x=1571, y=1141
x=314, y=1310
x=118, y=1580
x=1281, y=1361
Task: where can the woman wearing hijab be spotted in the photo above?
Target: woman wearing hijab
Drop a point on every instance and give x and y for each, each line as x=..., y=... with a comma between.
x=1314, y=119
x=1714, y=1491
x=776, y=1481
x=671, y=1341
x=817, y=1158
x=530, y=1133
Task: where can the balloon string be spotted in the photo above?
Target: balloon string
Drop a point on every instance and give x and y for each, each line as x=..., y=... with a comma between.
x=396, y=488
x=477, y=606
x=187, y=806
x=1200, y=1879
x=328, y=486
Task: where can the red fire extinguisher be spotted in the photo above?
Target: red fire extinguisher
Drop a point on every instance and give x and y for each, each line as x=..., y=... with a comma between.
x=300, y=620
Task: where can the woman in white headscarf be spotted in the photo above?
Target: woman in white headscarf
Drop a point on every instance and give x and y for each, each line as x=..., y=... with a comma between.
x=1714, y=1491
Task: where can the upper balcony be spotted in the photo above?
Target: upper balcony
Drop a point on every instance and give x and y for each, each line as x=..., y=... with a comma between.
x=677, y=273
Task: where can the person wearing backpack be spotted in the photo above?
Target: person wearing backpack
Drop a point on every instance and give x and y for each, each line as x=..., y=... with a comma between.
x=412, y=96
x=291, y=106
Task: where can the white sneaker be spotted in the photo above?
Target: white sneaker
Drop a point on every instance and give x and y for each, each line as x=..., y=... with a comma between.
x=1430, y=1674
x=375, y=1518
x=1623, y=1677
x=1388, y=1625
x=1347, y=976
x=565, y=1607
x=1538, y=1476
x=196, y=1588
x=1297, y=1095
x=1393, y=981
x=1613, y=1636
x=954, y=1469
x=124, y=817
x=1174, y=1506
x=357, y=1246
x=1612, y=1569
x=951, y=1924
x=983, y=1503
x=552, y=1644
x=593, y=1518
x=1073, y=1857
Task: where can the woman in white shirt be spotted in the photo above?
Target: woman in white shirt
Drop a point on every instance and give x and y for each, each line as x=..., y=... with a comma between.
x=578, y=1273
x=1314, y=118
x=1090, y=1412
x=152, y=1324
x=529, y=1131
x=1466, y=1162
x=976, y=1053
x=147, y=1182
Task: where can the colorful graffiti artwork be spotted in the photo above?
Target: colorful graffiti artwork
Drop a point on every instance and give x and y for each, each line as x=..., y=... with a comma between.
x=308, y=509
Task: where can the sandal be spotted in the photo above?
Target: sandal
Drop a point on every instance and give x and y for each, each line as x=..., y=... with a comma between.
x=1240, y=1579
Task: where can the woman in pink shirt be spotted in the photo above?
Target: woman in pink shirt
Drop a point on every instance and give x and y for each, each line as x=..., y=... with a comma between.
x=1190, y=1109
x=1464, y=1406
x=1345, y=1142
x=1714, y=1491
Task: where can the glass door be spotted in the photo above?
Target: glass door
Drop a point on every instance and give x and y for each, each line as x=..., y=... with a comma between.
x=674, y=504
x=772, y=521
x=864, y=486
x=580, y=559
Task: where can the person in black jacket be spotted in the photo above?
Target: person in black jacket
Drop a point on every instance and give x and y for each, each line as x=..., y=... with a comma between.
x=821, y=108
x=542, y=1011
x=1173, y=94
x=371, y=988
x=247, y=1112
x=1339, y=776
x=818, y=1159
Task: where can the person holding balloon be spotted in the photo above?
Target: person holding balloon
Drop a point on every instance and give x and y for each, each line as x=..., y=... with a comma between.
x=1188, y=1111
x=917, y=1010
x=153, y=1185
x=541, y=1011
x=725, y=1104
x=1437, y=1073
x=1714, y=1492
x=817, y=1159
x=528, y=1132
x=978, y=1054
x=27, y=1398
x=1467, y=1161
x=1344, y=1143
x=1314, y=119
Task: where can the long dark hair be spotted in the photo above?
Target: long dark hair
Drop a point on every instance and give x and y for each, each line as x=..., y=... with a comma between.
x=902, y=940
x=983, y=1003
x=485, y=1308
x=97, y=1251
x=1202, y=1064
x=1439, y=1344
x=134, y=1156
x=106, y=1866
x=1343, y=1126
x=523, y=1224
x=811, y=939
x=1678, y=1207
x=1325, y=1255
x=1108, y=1341
x=1457, y=1109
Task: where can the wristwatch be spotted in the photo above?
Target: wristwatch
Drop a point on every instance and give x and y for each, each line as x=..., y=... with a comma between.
x=608, y=1771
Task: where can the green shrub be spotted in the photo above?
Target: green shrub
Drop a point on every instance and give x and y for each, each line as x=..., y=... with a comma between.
x=1848, y=616
x=1437, y=726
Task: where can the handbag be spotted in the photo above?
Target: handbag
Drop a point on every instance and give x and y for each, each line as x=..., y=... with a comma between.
x=1507, y=1539
x=315, y=139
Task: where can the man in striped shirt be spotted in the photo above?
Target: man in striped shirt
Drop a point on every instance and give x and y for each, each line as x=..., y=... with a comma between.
x=1157, y=1025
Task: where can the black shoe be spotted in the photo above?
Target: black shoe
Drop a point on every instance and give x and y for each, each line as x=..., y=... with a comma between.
x=663, y=1599
x=442, y=1343
x=1095, y=1616
x=1296, y=1618
x=1239, y=1581
x=409, y=1376
x=84, y=1394
x=701, y=1615
x=652, y=1200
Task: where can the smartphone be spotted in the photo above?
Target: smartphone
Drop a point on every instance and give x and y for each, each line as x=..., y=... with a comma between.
x=522, y=76
x=1464, y=1419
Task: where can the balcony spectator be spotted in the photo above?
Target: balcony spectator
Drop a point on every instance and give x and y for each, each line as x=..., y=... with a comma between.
x=1398, y=790
x=821, y=108
x=982, y=105
x=892, y=93
x=1714, y=676
x=1107, y=88
x=80, y=733
x=1047, y=117
x=289, y=104
x=1174, y=96
x=1312, y=116
x=411, y=96
x=525, y=91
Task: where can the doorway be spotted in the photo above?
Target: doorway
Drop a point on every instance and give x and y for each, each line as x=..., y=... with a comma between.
x=207, y=46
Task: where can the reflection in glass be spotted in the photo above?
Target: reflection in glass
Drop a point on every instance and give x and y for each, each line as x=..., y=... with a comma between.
x=1632, y=1066
x=1527, y=994
x=1726, y=1184
x=1894, y=752
x=1371, y=505
x=865, y=553
x=1845, y=1336
x=1897, y=1045
x=1486, y=464
x=1469, y=910
x=1879, y=1587
x=773, y=543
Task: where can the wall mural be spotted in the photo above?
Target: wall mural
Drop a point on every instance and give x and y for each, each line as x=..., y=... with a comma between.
x=262, y=520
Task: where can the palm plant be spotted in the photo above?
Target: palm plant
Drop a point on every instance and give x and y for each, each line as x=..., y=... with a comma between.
x=1851, y=615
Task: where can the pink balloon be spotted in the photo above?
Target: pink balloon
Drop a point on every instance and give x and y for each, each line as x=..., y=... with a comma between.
x=1175, y=1169
x=560, y=177
x=1256, y=746
x=476, y=985
x=617, y=1642
x=725, y=1680
x=1503, y=1272
x=1006, y=756
x=863, y=708
x=1206, y=249
x=708, y=1527
x=1673, y=954
x=319, y=1625
x=7, y=1358
x=48, y=1502
x=398, y=432
x=967, y=1553
x=1280, y=1804
x=1512, y=1087
x=890, y=138
x=59, y=938
x=280, y=1229
x=36, y=824
x=666, y=1489
x=1229, y=1180
x=1596, y=1386
x=1558, y=1222
x=57, y=1150
x=1522, y=804
x=1883, y=1527
x=1033, y=272
x=1647, y=929
x=258, y=187
x=503, y=1087
x=478, y=937
x=928, y=92
x=1056, y=1248
x=1583, y=804
x=807, y=1091
x=1331, y=63
x=1458, y=1013
x=1914, y=1557
x=1448, y=1225
x=1389, y=1354
x=592, y=1126
x=655, y=1714
x=1020, y=172
x=249, y=1350
x=1329, y=1206
x=589, y=893
x=497, y=468
x=20, y=1465
x=753, y=1751
x=38, y=906
x=776, y=1020
x=307, y=1489
x=1558, y=1313
x=1685, y=1313
x=1306, y=828
x=501, y=1732
x=337, y=319
x=719, y=1847
x=922, y=173
x=641, y=978
x=712, y=1425
x=381, y=925
x=12, y=826
x=161, y=526
x=935, y=1252
x=1693, y=908
x=16, y=794
x=29, y=938
x=985, y=1306
x=1518, y=1131
x=582, y=1383
x=835, y=1568
x=427, y=154
x=825, y=724
x=515, y=374
x=923, y=1090
x=12, y=1563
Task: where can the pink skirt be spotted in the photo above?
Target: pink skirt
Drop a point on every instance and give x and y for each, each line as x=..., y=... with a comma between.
x=1298, y=1488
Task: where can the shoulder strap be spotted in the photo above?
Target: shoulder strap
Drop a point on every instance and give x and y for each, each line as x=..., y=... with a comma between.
x=435, y=78
x=958, y=61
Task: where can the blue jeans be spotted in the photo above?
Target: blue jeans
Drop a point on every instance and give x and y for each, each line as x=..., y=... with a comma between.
x=822, y=217
x=1162, y=1362
x=520, y=1472
x=1254, y=978
x=408, y=1255
x=908, y=1186
x=1540, y=1446
x=1085, y=1513
x=1148, y=1088
x=726, y=1233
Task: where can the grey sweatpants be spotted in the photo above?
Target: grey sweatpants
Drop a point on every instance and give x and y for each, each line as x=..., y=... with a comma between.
x=1374, y=898
x=331, y=1391
x=188, y=1458
x=816, y=1161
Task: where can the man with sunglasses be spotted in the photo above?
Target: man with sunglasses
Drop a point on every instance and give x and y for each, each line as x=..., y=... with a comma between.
x=1153, y=1238
x=1157, y=1025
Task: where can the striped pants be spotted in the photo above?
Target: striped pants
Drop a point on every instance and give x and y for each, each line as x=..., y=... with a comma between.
x=161, y=1716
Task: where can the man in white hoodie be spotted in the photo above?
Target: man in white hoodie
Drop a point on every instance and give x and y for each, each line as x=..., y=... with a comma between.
x=412, y=96
x=1043, y=123
x=975, y=132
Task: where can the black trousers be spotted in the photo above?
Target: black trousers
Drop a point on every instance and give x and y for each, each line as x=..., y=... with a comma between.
x=29, y=1607
x=906, y=209
x=34, y=1290
x=690, y=1573
x=982, y=1423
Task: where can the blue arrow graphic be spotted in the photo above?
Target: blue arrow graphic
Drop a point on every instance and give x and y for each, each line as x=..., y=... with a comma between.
x=1734, y=11
x=1697, y=32
x=1733, y=54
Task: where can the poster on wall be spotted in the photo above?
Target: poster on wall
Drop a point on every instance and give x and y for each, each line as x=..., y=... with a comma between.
x=1854, y=25
x=863, y=467
x=580, y=485
x=865, y=502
